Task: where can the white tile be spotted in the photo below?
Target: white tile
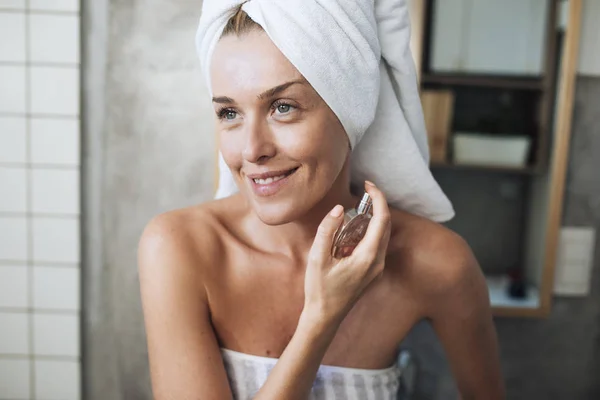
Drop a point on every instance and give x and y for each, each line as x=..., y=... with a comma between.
x=574, y=261
x=57, y=380
x=13, y=186
x=14, y=334
x=54, y=38
x=54, y=5
x=55, y=191
x=56, y=240
x=55, y=91
x=56, y=288
x=14, y=379
x=13, y=145
x=12, y=4
x=13, y=238
x=12, y=89
x=585, y=235
x=55, y=141
x=14, y=289
x=56, y=335
x=12, y=37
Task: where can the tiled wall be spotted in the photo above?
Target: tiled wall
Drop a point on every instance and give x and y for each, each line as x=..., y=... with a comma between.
x=39, y=200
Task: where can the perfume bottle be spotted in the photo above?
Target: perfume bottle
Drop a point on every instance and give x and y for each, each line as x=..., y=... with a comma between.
x=353, y=229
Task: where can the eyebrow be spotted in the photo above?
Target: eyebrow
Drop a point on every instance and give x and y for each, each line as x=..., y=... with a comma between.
x=266, y=94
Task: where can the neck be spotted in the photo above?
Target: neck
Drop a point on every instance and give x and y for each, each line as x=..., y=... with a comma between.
x=294, y=239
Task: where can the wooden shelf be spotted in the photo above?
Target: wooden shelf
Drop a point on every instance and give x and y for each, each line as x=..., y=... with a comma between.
x=542, y=107
x=505, y=306
x=492, y=168
x=500, y=82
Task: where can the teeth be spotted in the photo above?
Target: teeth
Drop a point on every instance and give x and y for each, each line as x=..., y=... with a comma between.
x=269, y=180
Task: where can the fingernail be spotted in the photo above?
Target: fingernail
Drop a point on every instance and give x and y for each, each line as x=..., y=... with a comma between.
x=337, y=211
x=369, y=183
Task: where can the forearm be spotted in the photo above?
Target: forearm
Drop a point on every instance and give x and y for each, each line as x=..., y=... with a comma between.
x=296, y=369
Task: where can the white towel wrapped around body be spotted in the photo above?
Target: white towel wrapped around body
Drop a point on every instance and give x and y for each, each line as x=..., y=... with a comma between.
x=356, y=55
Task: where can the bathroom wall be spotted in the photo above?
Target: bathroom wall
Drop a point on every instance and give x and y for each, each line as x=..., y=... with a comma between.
x=149, y=148
x=39, y=200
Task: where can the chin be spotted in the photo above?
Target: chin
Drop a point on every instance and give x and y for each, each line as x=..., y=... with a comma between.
x=279, y=211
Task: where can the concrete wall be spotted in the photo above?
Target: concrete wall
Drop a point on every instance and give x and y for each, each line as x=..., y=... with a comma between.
x=149, y=147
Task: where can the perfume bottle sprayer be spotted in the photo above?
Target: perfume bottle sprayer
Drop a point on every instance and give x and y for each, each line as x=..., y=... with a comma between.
x=353, y=229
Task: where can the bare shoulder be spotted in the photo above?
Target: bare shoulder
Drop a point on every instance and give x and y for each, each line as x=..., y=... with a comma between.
x=434, y=261
x=177, y=234
x=185, y=238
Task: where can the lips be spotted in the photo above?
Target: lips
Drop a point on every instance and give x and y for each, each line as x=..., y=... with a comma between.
x=266, y=179
x=269, y=183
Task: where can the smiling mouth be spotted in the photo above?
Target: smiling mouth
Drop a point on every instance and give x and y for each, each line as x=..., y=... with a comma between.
x=272, y=179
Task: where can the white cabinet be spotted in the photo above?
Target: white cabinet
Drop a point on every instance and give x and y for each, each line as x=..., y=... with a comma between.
x=498, y=37
x=448, y=35
x=589, y=51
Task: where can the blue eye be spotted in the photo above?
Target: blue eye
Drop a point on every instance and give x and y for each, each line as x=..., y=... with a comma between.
x=284, y=108
x=227, y=114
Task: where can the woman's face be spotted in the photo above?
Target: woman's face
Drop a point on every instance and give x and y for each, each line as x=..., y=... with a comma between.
x=283, y=144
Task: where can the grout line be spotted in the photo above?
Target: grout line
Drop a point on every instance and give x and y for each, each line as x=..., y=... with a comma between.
x=31, y=310
x=37, y=12
x=45, y=357
x=38, y=263
x=57, y=266
x=46, y=64
x=38, y=357
x=38, y=115
x=8, y=214
x=13, y=263
x=68, y=167
x=54, y=12
x=14, y=356
x=30, y=271
x=12, y=10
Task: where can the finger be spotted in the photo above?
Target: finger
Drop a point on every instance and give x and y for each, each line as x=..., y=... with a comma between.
x=323, y=242
x=378, y=231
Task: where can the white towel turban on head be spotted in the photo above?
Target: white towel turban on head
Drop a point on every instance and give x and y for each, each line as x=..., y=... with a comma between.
x=356, y=55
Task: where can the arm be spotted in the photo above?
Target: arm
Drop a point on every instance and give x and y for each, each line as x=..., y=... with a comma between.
x=459, y=309
x=185, y=360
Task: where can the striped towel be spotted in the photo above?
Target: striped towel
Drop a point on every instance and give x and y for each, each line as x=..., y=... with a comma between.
x=247, y=373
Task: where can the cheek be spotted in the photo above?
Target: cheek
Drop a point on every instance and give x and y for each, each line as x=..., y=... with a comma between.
x=231, y=149
x=321, y=143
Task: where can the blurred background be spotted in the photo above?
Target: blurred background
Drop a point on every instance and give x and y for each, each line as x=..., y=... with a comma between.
x=105, y=121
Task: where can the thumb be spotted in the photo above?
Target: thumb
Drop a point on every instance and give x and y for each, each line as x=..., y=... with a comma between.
x=321, y=247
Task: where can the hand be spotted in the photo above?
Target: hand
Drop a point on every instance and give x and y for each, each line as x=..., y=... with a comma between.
x=332, y=286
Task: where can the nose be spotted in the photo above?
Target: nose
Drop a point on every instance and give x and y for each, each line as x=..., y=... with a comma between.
x=259, y=146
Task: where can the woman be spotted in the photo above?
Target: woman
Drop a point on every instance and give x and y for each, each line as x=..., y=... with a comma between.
x=241, y=295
